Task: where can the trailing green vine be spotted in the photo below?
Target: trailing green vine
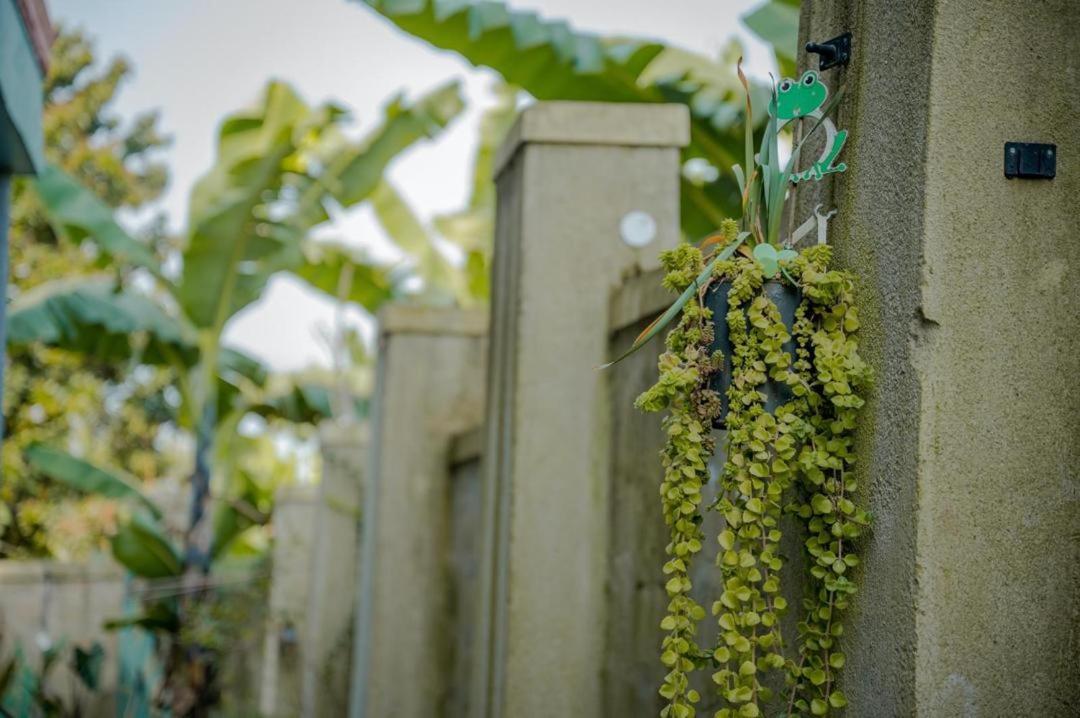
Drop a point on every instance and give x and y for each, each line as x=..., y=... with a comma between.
x=834, y=376
x=793, y=392
x=683, y=389
x=754, y=477
x=796, y=458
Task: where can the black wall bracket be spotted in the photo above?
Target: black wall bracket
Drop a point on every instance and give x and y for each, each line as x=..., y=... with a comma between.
x=833, y=52
x=1030, y=160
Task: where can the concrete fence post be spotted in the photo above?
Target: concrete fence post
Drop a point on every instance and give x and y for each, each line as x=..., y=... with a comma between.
x=587, y=196
x=305, y=669
x=429, y=388
x=969, y=455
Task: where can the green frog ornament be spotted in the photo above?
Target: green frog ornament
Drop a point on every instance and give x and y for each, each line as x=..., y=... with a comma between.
x=796, y=99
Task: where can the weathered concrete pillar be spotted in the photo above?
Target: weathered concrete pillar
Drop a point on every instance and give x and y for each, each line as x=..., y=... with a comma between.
x=970, y=576
x=312, y=594
x=429, y=388
x=295, y=512
x=568, y=175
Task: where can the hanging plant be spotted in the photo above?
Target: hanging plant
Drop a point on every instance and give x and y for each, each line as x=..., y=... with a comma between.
x=766, y=347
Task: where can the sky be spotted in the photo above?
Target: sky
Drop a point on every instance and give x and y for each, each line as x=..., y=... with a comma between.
x=197, y=60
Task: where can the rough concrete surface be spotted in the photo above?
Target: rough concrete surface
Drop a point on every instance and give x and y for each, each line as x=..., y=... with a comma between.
x=998, y=362
x=429, y=388
x=970, y=581
x=559, y=257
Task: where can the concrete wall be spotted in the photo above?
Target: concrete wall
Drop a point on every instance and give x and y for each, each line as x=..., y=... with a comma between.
x=412, y=601
x=465, y=507
x=308, y=641
x=971, y=578
x=295, y=511
x=567, y=176
x=63, y=603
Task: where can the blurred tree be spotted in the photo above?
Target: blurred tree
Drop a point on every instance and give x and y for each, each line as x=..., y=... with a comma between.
x=281, y=168
x=51, y=394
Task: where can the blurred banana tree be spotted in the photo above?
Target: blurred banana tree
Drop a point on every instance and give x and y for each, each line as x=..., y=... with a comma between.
x=144, y=545
x=280, y=170
x=551, y=61
x=471, y=229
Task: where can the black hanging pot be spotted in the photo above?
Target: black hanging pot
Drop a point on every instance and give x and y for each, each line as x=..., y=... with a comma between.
x=786, y=298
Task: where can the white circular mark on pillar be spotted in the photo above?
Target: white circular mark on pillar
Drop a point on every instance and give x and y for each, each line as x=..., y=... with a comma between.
x=637, y=228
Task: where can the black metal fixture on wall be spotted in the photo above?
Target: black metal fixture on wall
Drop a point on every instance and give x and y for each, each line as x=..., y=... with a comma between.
x=836, y=51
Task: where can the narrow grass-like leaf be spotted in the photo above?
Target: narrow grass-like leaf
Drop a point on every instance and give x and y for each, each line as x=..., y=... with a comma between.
x=664, y=319
x=777, y=181
x=748, y=121
x=709, y=241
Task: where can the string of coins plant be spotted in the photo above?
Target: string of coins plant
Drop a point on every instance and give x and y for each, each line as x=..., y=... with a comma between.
x=790, y=450
x=683, y=389
x=802, y=452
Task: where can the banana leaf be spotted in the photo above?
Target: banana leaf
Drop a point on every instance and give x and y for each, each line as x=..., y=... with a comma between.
x=547, y=58
x=552, y=61
x=92, y=317
x=777, y=23
x=356, y=171
x=232, y=248
x=158, y=616
x=237, y=366
x=141, y=547
x=442, y=281
x=85, y=477
x=75, y=212
x=278, y=170
x=303, y=403
x=327, y=264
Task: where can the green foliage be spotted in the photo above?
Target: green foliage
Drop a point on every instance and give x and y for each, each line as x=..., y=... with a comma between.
x=97, y=163
x=834, y=379
x=341, y=272
x=30, y=690
x=552, y=61
x=676, y=276
x=545, y=57
x=100, y=321
x=473, y=228
x=302, y=403
x=777, y=23
x=280, y=166
x=764, y=194
x=85, y=477
x=442, y=282
x=796, y=459
x=277, y=170
x=755, y=475
x=141, y=546
x=766, y=189
x=78, y=213
x=87, y=663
